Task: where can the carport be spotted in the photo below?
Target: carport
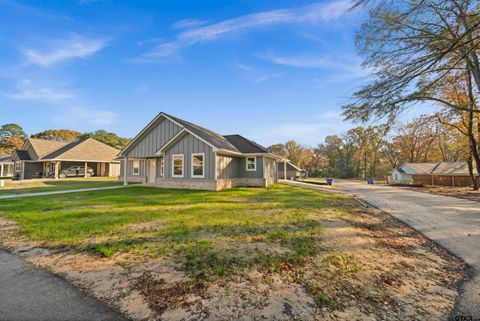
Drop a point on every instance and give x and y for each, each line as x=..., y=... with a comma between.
x=43, y=159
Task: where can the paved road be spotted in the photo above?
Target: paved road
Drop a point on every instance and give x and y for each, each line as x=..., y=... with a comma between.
x=28, y=293
x=453, y=223
x=68, y=191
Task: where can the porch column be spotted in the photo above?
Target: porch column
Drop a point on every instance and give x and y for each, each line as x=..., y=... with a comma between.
x=22, y=171
x=86, y=167
x=56, y=169
x=125, y=180
x=284, y=169
x=1, y=171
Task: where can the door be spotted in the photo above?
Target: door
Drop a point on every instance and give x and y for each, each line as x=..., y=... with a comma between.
x=152, y=170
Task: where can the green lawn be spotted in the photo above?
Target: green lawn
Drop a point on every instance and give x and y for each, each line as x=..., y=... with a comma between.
x=33, y=186
x=210, y=234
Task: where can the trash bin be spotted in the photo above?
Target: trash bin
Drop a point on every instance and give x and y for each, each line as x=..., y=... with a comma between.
x=370, y=181
x=329, y=181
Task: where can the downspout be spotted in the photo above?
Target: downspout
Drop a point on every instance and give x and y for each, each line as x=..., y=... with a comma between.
x=125, y=180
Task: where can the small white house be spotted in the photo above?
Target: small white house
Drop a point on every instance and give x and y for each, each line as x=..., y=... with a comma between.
x=404, y=173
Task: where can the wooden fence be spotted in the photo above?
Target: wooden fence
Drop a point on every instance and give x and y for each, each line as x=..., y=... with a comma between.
x=444, y=180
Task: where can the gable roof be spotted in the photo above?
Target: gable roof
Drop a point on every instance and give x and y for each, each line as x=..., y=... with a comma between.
x=235, y=144
x=207, y=135
x=21, y=155
x=440, y=168
x=421, y=168
x=399, y=169
x=43, y=147
x=245, y=145
x=86, y=149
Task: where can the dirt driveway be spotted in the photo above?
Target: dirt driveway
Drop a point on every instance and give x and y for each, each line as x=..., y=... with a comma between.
x=453, y=223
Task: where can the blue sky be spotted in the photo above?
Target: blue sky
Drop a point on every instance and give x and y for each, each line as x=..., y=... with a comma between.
x=270, y=70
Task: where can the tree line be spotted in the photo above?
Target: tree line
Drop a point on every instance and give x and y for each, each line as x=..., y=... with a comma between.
x=373, y=151
x=13, y=136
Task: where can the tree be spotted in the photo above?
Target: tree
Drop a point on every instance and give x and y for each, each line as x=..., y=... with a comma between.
x=110, y=139
x=278, y=149
x=59, y=135
x=11, y=138
x=416, y=139
x=12, y=130
x=412, y=45
x=415, y=47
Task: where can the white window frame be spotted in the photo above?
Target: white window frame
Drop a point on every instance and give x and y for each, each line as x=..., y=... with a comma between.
x=135, y=161
x=173, y=166
x=18, y=166
x=203, y=165
x=254, y=164
x=162, y=167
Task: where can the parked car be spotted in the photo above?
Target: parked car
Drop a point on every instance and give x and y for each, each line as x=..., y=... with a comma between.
x=73, y=171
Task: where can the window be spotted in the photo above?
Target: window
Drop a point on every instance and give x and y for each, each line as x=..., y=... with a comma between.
x=18, y=166
x=198, y=165
x=136, y=167
x=177, y=165
x=251, y=164
x=162, y=166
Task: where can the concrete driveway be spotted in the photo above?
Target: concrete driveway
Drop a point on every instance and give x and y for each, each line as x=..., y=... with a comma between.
x=453, y=223
x=28, y=293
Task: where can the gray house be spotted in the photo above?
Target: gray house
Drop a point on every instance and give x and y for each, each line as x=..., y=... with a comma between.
x=173, y=153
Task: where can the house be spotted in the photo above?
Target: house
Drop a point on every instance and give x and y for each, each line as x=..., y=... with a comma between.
x=173, y=153
x=441, y=173
x=404, y=174
x=6, y=166
x=44, y=158
x=292, y=172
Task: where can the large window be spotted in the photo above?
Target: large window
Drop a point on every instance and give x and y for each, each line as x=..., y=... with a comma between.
x=18, y=166
x=177, y=165
x=136, y=167
x=198, y=168
x=251, y=164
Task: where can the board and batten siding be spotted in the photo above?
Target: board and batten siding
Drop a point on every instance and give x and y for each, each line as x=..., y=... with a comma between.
x=270, y=171
x=142, y=171
x=186, y=146
x=227, y=167
x=154, y=139
x=242, y=168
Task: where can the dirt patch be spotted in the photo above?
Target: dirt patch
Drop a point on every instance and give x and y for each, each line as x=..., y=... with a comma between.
x=372, y=267
x=458, y=192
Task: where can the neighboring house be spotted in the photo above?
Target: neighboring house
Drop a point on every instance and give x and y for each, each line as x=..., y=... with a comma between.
x=171, y=152
x=441, y=173
x=44, y=158
x=404, y=174
x=292, y=172
x=6, y=166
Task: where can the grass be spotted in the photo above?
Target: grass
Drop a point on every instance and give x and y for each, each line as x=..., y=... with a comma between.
x=210, y=234
x=33, y=186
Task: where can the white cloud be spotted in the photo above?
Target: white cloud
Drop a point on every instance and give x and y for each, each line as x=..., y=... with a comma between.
x=62, y=50
x=29, y=92
x=308, y=14
x=188, y=23
x=79, y=117
x=255, y=75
